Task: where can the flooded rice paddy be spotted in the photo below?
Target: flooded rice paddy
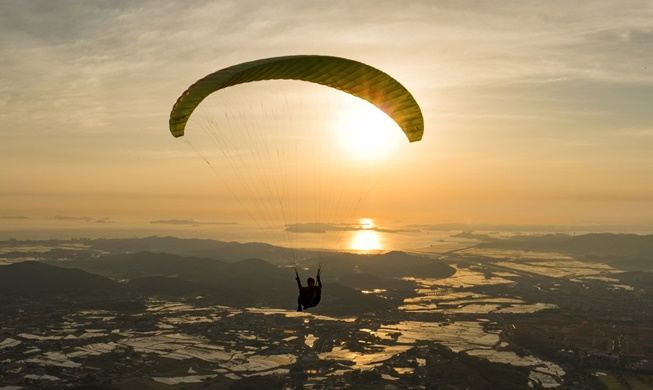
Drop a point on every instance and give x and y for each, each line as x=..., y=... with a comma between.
x=438, y=296
x=237, y=343
x=235, y=352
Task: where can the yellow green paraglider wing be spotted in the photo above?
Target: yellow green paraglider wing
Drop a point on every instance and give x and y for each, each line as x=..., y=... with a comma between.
x=349, y=76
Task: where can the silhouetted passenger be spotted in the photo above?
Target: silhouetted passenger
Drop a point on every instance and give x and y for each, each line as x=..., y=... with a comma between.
x=310, y=295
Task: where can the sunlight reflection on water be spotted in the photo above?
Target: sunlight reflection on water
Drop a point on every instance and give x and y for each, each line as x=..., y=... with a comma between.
x=366, y=240
x=440, y=295
x=434, y=295
x=365, y=236
x=237, y=359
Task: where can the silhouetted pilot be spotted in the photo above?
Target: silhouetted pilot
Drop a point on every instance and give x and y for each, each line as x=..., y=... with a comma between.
x=310, y=295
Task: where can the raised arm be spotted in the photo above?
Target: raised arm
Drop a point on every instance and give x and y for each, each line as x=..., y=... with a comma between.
x=319, y=282
x=299, y=283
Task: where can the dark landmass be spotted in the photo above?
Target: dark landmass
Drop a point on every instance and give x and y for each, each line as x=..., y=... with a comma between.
x=629, y=251
x=43, y=286
x=86, y=248
x=533, y=228
x=392, y=264
x=597, y=327
x=230, y=275
x=65, y=218
x=251, y=282
x=254, y=281
x=475, y=236
x=188, y=222
x=32, y=277
x=222, y=250
x=165, y=286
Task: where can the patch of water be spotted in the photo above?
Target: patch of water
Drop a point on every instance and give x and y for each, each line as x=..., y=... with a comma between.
x=296, y=314
x=9, y=343
x=560, y=269
x=54, y=359
x=310, y=340
x=364, y=361
x=512, y=254
x=182, y=379
x=463, y=278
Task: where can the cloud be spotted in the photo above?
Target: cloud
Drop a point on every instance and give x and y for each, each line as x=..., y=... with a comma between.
x=85, y=81
x=65, y=218
x=116, y=66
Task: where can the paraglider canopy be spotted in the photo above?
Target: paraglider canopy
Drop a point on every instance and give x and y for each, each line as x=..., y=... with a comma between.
x=298, y=158
x=349, y=76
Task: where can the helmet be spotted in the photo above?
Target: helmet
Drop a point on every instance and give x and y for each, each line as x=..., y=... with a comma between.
x=310, y=281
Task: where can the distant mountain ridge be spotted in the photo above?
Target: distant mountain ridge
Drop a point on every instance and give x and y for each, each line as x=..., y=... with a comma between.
x=147, y=264
x=243, y=284
x=588, y=244
x=193, y=247
x=131, y=266
x=33, y=277
x=257, y=282
x=628, y=250
x=222, y=272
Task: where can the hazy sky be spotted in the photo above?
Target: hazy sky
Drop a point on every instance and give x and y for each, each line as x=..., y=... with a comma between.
x=537, y=112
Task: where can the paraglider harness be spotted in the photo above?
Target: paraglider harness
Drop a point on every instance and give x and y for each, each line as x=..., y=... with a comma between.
x=308, y=296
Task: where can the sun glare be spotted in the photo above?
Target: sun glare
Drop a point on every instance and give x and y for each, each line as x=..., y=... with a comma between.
x=368, y=133
x=366, y=223
x=366, y=239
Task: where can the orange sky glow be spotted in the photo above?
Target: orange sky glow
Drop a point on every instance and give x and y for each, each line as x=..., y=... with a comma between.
x=534, y=115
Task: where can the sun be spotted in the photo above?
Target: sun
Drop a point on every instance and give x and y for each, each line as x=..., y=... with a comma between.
x=366, y=223
x=366, y=132
x=366, y=239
